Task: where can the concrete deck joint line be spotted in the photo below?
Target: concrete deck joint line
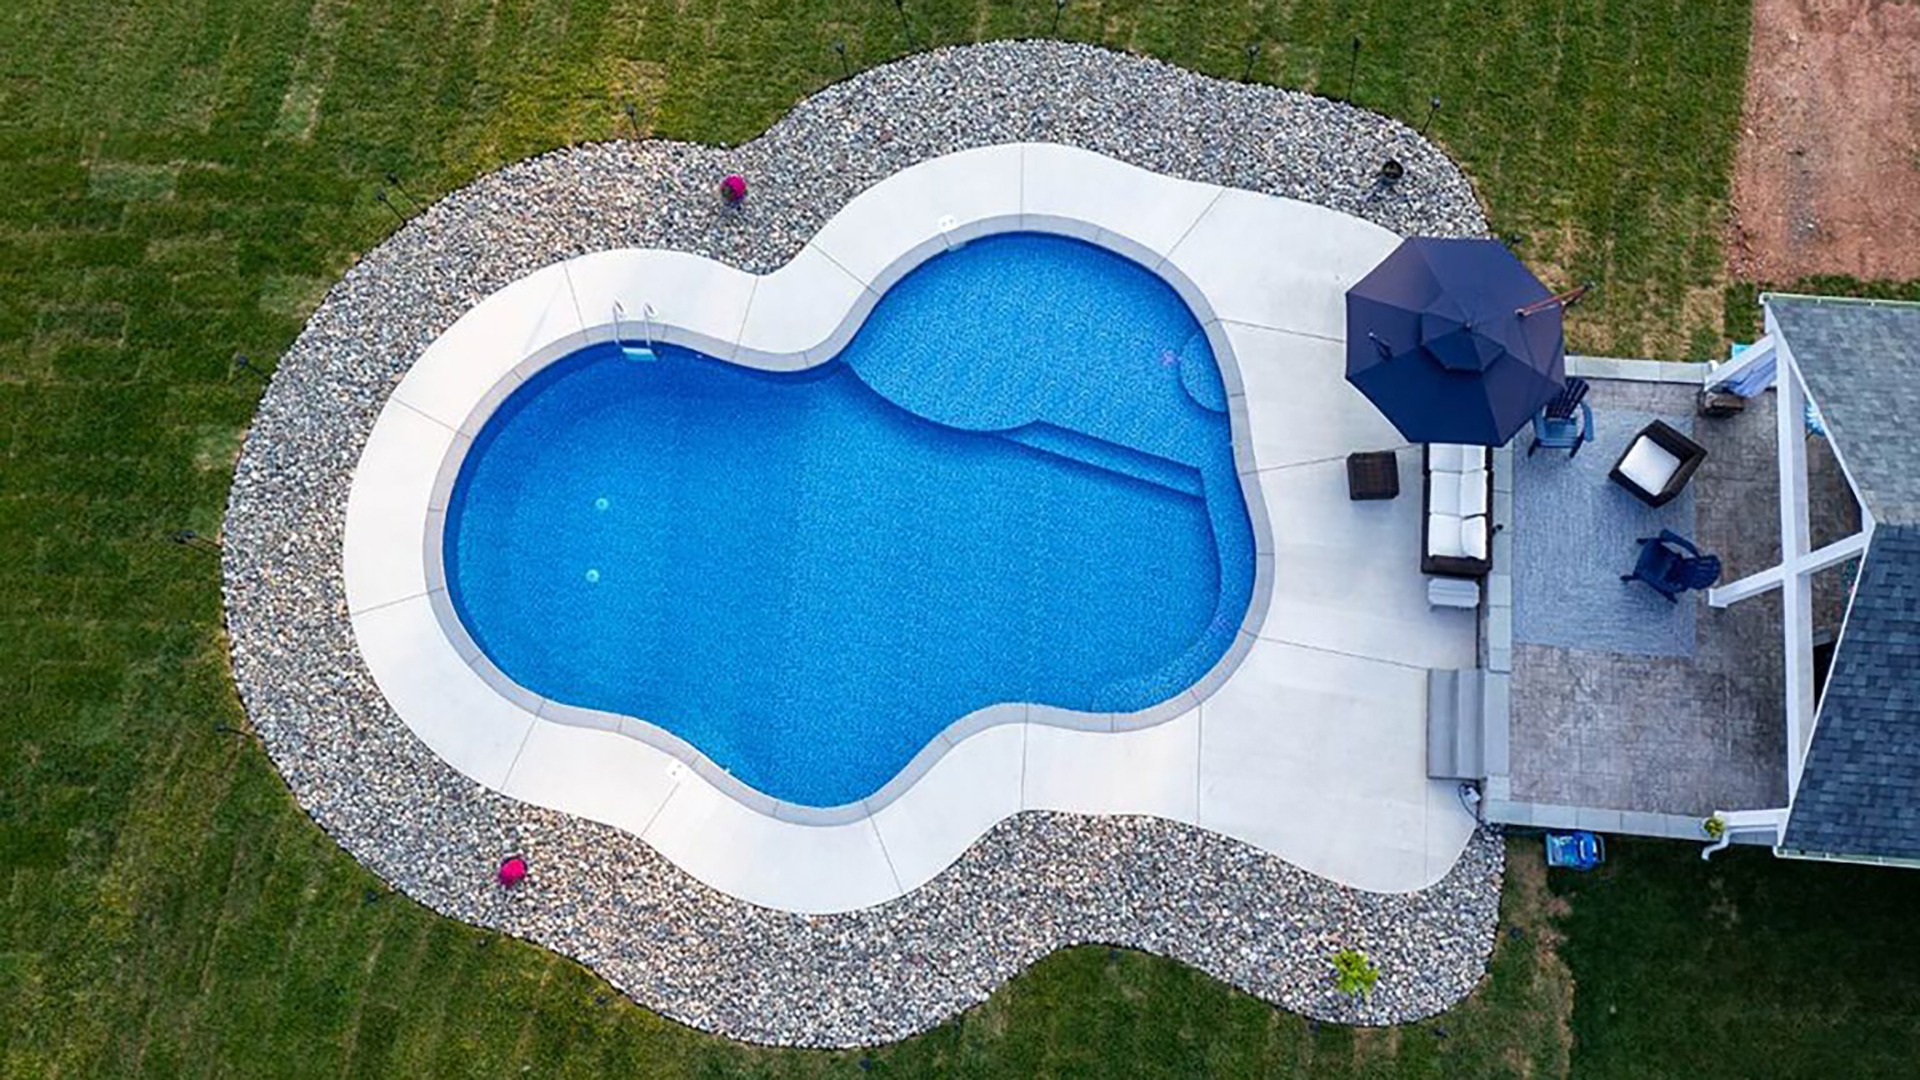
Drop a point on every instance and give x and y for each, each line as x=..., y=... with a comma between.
x=1338, y=339
x=573, y=294
x=881, y=840
x=384, y=604
x=428, y=416
x=1192, y=225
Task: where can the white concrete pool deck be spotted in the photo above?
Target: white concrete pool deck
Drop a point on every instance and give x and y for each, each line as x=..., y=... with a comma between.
x=1307, y=742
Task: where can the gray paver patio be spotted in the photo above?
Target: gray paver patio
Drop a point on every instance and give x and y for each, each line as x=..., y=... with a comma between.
x=1681, y=734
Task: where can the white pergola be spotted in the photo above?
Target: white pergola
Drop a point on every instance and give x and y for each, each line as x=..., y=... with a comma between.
x=1799, y=561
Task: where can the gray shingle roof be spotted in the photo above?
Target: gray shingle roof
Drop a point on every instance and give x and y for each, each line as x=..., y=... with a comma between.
x=1861, y=362
x=1860, y=792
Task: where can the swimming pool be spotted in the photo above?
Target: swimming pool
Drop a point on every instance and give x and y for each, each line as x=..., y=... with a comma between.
x=1015, y=484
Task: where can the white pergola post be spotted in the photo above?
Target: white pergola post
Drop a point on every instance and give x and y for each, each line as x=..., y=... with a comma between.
x=1796, y=588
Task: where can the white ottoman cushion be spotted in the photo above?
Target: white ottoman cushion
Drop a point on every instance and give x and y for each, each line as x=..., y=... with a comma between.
x=1453, y=592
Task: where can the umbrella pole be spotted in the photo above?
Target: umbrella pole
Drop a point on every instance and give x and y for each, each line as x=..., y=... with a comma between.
x=1564, y=300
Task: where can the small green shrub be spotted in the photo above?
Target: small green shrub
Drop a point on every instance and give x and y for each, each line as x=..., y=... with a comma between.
x=1715, y=827
x=1353, y=974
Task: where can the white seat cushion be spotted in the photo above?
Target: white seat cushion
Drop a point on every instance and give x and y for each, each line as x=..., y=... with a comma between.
x=1443, y=536
x=1473, y=492
x=1450, y=536
x=1649, y=465
x=1459, y=494
x=1473, y=536
x=1455, y=458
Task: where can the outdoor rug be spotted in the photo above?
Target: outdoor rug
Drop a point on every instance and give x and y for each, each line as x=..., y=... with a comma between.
x=1573, y=536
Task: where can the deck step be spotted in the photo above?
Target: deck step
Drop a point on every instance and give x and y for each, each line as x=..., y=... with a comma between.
x=1456, y=725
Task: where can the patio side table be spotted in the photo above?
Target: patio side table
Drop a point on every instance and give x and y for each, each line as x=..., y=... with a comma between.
x=1373, y=475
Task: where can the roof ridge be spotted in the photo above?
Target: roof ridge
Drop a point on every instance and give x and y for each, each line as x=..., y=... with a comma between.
x=1861, y=301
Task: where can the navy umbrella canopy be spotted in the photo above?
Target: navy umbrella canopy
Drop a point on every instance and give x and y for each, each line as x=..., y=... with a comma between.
x=1454, y=341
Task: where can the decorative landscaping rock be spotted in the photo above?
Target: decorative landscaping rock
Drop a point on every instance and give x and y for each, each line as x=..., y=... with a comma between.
x=1037, y=881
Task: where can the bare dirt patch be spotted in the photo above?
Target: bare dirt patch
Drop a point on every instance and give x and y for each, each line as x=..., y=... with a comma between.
x=1827, y=178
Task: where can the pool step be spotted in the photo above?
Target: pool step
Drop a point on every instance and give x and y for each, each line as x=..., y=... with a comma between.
x=1101, y=454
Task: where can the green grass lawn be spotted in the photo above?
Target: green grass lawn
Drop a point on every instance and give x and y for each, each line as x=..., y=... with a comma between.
x=181, y=180
x=1747, y=967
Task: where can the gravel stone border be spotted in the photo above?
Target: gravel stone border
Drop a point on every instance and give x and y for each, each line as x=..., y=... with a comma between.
x=1037, y=881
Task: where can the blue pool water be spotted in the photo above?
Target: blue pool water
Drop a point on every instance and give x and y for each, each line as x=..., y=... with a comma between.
x=1015, y=484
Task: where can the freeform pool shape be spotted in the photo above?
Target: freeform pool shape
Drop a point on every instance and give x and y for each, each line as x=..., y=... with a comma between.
x=1015, y=484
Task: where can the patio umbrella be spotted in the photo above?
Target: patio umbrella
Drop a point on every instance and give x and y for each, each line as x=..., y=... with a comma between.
x=1455, y=341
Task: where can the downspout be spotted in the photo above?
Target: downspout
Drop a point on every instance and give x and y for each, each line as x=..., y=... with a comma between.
x=1771, y=822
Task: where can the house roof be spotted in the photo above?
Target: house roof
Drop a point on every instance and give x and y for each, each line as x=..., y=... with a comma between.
x=1861, y=362
x=1859, y=793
